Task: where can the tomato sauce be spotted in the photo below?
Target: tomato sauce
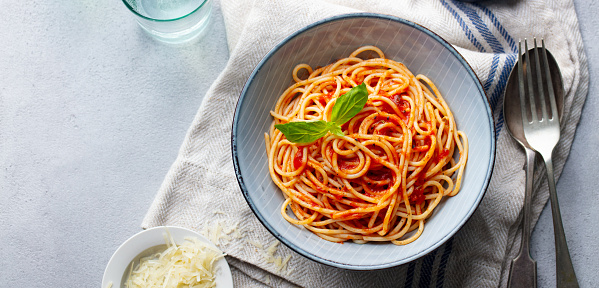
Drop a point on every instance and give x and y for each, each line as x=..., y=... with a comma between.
x=351, y=216
x=330, y=152
x=417, y=196
x=298, y=160
x=380, y=175
x=422, y=145
x=387, y=108
x=345, y=126
x=420, y=148
x=420, y=180
x=385, y=131
x=325, y=98
x=347, y=164
x=441, y=155
x=384, y=174
x=404, y=108
x=320, y=189
x=355, y=205
x=402, y=105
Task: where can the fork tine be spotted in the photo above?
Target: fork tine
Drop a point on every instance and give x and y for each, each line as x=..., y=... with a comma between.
x=542, y=95
x=554, y=112
x=531, y=93
x=521, y=83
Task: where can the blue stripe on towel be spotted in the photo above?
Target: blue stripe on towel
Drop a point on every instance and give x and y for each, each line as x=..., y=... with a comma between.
x=497, y=24
x=427, y=269
x=443, y=264
x=507, y=66
x=505, y=73
x=480, y=26
x=499, y=88
x=494, y=66
x=465, y=28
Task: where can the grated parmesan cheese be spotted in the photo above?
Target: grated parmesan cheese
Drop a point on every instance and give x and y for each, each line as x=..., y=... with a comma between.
x=220, y=233
x=268, y=255
x=272, y=248
x=190, y=264
x=257, y=244
x=284, y=264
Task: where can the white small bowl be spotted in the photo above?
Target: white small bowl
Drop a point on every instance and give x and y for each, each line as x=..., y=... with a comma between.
x=144, y=240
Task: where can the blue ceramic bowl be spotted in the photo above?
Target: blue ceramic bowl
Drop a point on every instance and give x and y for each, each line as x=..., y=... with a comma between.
x=423, y=52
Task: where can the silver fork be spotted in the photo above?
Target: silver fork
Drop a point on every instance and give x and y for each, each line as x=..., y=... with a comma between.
x=542, y=132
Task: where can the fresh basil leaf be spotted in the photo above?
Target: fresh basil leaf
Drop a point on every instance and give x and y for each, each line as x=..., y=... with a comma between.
x=349, y=104
x=346, y=107
x=336, y=129
x=302, y=132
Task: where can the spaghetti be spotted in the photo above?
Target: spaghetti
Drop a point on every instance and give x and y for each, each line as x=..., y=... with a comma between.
x=395, y=163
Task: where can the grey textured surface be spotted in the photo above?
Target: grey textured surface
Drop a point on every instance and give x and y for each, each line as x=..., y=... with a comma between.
x=92, y=114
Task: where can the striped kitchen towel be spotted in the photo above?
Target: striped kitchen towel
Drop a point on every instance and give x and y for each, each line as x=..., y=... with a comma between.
x=200, y=190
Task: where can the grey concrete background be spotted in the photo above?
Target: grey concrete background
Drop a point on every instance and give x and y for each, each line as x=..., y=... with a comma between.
x=92, y=113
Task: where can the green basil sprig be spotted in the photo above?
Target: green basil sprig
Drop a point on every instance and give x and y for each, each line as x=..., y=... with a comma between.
x=305, y=131
x=347, y=106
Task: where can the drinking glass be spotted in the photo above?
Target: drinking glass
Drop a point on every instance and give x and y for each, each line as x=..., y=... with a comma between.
x=172, y=21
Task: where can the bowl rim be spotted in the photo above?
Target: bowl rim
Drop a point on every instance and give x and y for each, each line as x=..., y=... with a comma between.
x=316, y=258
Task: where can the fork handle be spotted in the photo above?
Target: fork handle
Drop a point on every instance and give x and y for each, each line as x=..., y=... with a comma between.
x=523, y=272
x=565, y=271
